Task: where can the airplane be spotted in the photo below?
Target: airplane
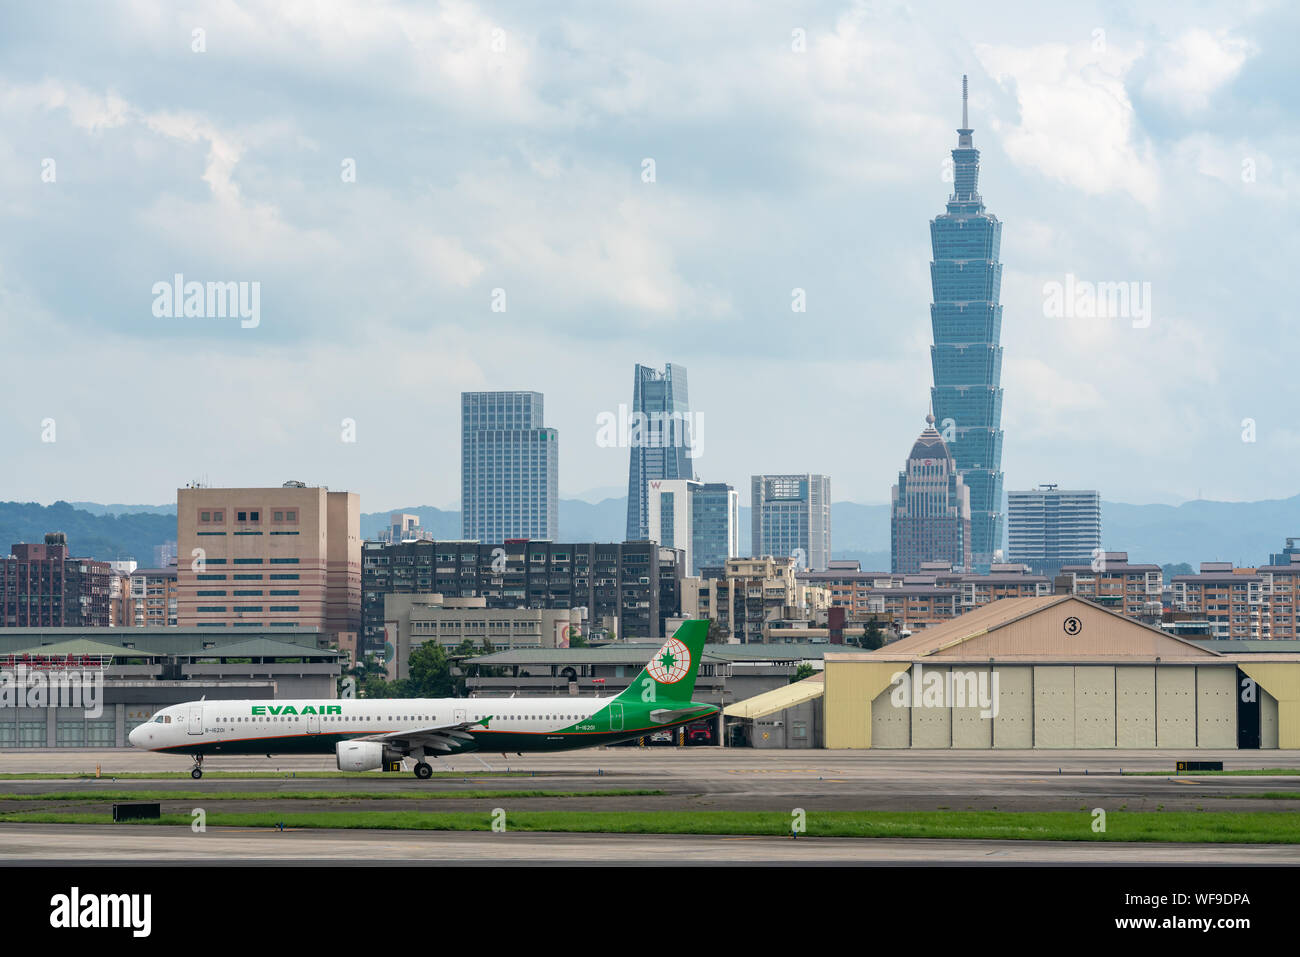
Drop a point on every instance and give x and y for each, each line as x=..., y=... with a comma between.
x=366, y=734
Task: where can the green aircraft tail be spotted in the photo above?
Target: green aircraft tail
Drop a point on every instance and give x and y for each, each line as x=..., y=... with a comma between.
x=669, y=676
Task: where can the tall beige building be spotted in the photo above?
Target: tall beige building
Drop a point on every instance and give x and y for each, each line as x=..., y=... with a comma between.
x=269, y=558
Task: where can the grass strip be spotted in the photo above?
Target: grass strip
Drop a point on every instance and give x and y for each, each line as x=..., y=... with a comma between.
x=253, y=775
x=1192, y=774
x=408, y=795
x=1121, y=826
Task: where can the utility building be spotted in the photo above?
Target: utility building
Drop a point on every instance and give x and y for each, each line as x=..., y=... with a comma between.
x=1058, y=672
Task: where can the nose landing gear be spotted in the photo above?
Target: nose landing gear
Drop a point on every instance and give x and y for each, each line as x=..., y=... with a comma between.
x=197, y=771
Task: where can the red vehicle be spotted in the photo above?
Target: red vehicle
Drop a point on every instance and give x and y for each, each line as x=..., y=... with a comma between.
x=699, y=735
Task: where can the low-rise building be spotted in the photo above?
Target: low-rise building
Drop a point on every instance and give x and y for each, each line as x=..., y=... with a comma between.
x=411, y=620
x=135, y=672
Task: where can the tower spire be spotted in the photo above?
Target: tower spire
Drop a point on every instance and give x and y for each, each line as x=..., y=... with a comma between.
x=964, y=134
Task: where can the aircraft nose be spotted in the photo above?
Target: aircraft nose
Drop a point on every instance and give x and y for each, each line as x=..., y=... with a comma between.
x=134, y=737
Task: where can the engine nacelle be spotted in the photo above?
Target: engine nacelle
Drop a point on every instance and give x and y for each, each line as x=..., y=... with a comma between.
x=364, y=755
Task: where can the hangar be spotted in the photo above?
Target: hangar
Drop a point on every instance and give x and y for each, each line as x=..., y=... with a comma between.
x=1058, y=671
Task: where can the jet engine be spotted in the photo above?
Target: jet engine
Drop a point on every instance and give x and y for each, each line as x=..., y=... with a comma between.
x=364, y=755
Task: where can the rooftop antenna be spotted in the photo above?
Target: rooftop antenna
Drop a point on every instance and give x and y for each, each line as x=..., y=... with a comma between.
x=964, y=134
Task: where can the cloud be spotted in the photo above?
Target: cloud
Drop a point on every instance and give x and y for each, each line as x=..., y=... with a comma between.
x=1190, y=69
x=1077, y=124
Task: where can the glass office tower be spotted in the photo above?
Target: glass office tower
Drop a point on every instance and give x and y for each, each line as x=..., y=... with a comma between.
x=966, y=357
x=510, y=466
x=659, y=437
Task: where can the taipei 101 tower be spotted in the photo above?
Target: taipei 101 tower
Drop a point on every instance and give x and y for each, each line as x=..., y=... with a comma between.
x=966, y=357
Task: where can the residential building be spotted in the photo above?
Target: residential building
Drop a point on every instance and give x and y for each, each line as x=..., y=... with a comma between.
x=1050, y=527
x=930, y=518
x=43, y=586
x=966, y=317
x=403, y=527
x=1132, y=590
x=287, y=557
x=154, y=598
x=660, y=440
x=164, y=555
x=1242, y=603
x=909, y=602
x=510, y=467
x=790, y=517
x=1284, y=557
x=702, y=519
x=758, y=600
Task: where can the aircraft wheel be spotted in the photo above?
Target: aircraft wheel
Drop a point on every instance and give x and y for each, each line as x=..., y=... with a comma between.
x=423, y=771
x=196, y=773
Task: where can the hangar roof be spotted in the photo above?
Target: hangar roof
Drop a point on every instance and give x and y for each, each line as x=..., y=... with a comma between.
x=1062, y=627
x=778, y=699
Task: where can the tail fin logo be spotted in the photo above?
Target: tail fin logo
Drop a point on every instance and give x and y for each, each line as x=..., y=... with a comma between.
x=670, y=663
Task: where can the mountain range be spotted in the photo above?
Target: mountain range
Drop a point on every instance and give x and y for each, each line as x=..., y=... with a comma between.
x=1242, y=532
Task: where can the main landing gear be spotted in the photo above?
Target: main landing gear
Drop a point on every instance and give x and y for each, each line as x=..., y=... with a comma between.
x=197, y=772
x=423, y=770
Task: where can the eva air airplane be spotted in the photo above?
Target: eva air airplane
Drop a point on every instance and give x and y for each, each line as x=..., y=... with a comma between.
x=367, y=734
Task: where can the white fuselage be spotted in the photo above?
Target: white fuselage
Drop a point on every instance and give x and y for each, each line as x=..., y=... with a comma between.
x=267, y=726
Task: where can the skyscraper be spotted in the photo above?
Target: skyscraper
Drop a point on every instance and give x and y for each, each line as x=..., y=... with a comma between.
x=700, y=518
x=790, y=516
x=509, y=468
x=966, y=357
x=1049, y=527
x=659, y=438
x=930, y=515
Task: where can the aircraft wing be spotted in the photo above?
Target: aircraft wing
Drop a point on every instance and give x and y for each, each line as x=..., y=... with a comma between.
x=445, y=737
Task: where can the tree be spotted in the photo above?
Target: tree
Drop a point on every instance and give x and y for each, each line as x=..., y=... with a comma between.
x=717, y=634
x=804, y=670
x=430, y=671
x=873, y=637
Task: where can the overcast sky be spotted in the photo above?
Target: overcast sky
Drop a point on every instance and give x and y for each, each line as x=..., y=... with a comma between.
x=503, y=147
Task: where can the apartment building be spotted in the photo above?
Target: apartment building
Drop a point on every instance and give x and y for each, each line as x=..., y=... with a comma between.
x=756, y=599
x=152, y=597
x=1245, y=603
x=637, y=585
x=1133, y=590
x=935, y=594
x=43, y=586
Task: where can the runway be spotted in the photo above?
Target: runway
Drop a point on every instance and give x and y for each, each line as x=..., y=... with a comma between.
x=146, y=845
x=689, y=779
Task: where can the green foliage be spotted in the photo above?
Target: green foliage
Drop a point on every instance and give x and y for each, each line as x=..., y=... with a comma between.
x=804, y=670
x=105, y=538
x=432, y=674
x=873, y=637
x=717, y=634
